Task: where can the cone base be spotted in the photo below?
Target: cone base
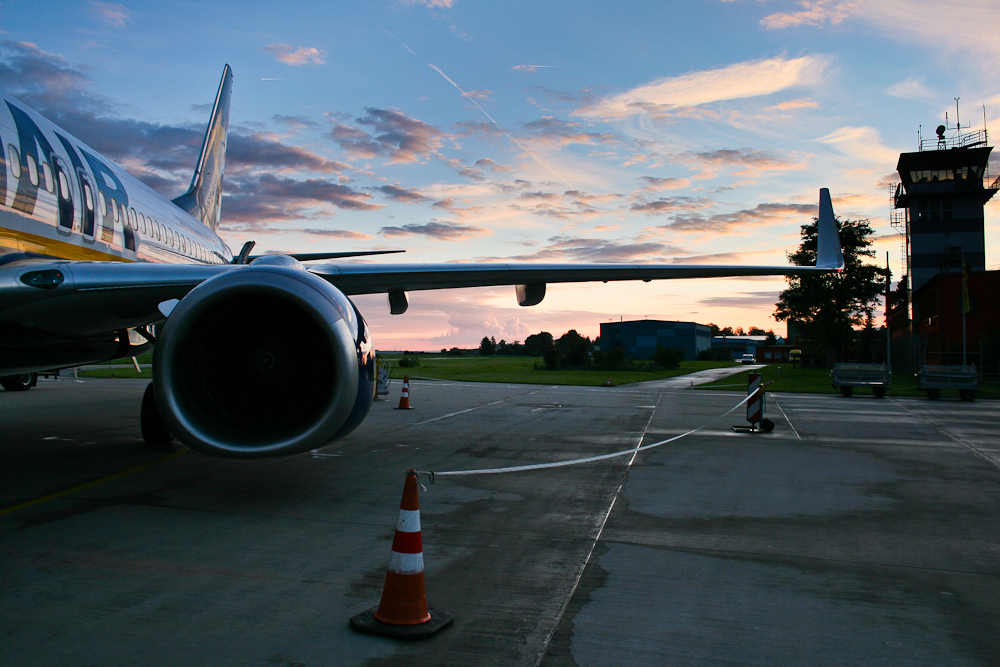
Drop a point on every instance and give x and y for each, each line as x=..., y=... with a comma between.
x=400, y=407
x=366, y=622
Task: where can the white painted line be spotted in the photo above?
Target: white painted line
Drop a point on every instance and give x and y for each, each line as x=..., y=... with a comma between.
x=462, y=412
x=775, y=398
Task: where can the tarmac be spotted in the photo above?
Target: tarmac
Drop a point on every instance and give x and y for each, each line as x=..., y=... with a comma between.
x=859, y=531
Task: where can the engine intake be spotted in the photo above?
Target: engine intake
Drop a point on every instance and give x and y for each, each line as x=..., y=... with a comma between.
x=262, y=361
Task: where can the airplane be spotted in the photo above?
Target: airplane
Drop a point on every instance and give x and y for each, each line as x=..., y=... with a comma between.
x=254, y=356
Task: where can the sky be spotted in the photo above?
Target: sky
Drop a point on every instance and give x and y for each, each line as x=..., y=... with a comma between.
x=459, y=130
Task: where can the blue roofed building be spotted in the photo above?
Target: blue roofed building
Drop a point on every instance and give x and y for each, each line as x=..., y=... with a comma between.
x=640, y=338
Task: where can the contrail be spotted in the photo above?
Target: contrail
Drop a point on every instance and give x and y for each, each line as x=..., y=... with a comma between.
x=500, y=127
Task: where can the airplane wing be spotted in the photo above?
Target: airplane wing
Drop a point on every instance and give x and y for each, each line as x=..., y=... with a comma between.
x=380, y=278
x=89, y=298
x=398, y=278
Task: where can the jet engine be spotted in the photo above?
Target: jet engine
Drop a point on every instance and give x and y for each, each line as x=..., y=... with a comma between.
x=261, y=361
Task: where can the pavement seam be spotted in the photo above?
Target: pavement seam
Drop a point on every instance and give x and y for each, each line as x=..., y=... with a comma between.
x=590, y=552
x=971, y=448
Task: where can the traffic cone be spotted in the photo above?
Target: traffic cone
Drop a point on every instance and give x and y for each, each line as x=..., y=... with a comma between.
x=402, y=611
x=404, y=398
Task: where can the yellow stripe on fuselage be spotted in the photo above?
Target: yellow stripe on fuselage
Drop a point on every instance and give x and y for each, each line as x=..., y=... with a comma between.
x=27, y=242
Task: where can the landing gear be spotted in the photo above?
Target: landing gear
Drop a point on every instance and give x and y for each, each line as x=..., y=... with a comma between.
x=847, y=391
x=934, y=394
x=967, y=394
x=154, y=430
x=22, y=382
x=879, y=392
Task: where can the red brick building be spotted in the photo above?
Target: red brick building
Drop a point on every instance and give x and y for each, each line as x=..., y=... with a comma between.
x=938, y=315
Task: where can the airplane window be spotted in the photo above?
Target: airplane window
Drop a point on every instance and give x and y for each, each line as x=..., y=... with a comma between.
x=88, y=196
x=114, y=209
x=102, y=204
x=125, y=217
x=142, y=223
x=63, y=186
x=15, y=161
x=47, y=174
x=134, y=218
x=32, y=169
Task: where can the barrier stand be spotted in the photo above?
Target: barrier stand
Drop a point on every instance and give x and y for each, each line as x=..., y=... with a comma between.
x=402, y=611
x=404, y=397
x=755, y=407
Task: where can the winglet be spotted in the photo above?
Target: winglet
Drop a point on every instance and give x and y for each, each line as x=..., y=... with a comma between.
x=828, y=252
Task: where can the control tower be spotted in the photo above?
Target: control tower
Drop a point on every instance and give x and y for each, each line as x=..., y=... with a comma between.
x=938, y=206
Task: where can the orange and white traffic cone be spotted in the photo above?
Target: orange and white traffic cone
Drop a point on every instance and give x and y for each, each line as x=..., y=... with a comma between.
x=404, y=398
x=402, y=611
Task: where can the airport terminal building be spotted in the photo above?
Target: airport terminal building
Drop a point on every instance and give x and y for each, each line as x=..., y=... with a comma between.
x=640, y=338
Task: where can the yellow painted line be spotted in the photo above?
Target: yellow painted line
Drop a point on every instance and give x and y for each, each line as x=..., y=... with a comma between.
x=60, y=494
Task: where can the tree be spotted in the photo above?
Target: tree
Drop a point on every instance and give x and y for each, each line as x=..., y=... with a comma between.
x=486, y=346
x=573, y=348
x=536, y=344
x=827, y=307
x=668, y=357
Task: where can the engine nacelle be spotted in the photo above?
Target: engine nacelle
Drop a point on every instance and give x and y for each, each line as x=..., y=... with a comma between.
x=263, y=361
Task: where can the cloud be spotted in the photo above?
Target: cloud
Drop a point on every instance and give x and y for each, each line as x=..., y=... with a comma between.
x=45, y=81
x=333, y=233
x=439, y=4
x=259, y=150
x=441, y=231
x=401, y=194
x=553, y=131
x=476, y=128
x=861, y=142
x=269, y=198
x=749, y=300
x=910, y=88
x=965, y=25
x=479, y=95
x=402, y=138
x=740, y=80
x=294, y=122
x=662, y=205
x=813, y=12
x=290, y=55
x=762, y=214
x=654, y=184
x=754, y=160
x=580, y=249
x=114, y=15
x=800, y=103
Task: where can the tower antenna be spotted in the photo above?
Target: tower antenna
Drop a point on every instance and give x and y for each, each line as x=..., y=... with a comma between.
x=958, y=119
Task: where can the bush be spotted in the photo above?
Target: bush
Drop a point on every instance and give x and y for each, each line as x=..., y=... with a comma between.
x=408, y=362
x=668, y=357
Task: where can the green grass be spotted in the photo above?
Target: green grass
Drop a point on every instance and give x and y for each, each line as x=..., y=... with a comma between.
x=127, y=361
x=817, y=381
x=123, y=372
x=521, y=370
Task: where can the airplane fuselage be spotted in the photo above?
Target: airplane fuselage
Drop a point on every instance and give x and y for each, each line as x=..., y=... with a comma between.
x=59, y=198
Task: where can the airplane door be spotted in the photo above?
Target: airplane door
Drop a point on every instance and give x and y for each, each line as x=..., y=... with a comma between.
x=88, y=205
x=64, y=194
